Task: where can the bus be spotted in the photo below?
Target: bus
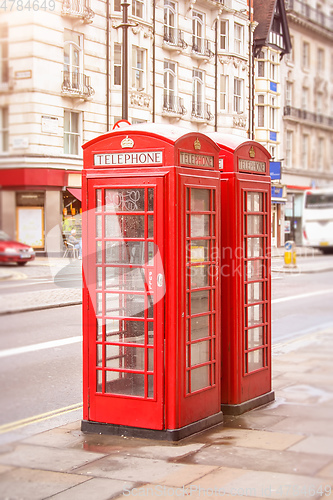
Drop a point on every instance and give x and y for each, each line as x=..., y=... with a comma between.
x=318, y=219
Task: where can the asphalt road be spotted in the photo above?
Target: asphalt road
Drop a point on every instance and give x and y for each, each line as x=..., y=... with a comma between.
x=41, y=360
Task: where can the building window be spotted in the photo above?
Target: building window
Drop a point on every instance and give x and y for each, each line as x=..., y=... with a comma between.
x=138, y=68
x=305, y=55
x=305, y=151
x=197, y=32
x=223, y=93
x=117, y=5
x=224, y=35
x=238, y=95
x=170, y=16
x=273, y=114
x=289, y=93
x=238, y=36
x=4, y=70
x=305, y=99
x=320, y=60
x=273, y=69
x=320, y=153
x=4, y=142
x=138, y=8
x=331, y=156
x=290, y=55
x=261, y=64
x=117, y=64
x=169, y=85
x=72, y=132
x=289, y=148
x=72, y=59
x=197, y=93
x=261, y=110
x=319, y=106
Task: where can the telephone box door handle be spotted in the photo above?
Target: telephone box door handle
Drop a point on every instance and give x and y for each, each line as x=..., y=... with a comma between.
x=160, y=280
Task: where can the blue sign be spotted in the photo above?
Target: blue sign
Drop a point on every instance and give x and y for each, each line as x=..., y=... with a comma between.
x=287, y=246
x=273, y=86
x=275, y=170
x=277, y=192
x=272, y=136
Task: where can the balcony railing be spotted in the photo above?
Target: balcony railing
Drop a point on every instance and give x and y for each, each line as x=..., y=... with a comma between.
x=314, y=15
x=202, y=48
x=173, y=104
x=302, y=114
x=78, y=8
x=77, y=84
x=174, y=37
x=201, y=111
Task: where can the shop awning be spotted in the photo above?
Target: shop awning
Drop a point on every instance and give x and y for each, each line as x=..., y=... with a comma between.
x=77, y=193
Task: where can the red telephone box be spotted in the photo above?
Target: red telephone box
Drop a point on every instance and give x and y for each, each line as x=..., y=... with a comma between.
x=151, y=297
x=245, y=274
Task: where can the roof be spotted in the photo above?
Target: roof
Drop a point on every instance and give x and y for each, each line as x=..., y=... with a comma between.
x=264, y=15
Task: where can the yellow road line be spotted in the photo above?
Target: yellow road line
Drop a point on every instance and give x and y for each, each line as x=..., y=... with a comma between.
x=38, y=418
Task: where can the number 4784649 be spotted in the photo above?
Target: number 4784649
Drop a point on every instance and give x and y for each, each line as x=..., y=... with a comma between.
x=24, y=5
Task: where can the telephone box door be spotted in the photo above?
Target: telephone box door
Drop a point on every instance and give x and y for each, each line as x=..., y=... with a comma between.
x=125, y=279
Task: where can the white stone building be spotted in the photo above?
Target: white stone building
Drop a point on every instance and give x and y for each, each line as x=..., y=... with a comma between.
x=60, y=86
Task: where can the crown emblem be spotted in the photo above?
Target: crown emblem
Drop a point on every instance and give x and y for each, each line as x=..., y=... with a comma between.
x=197, y=144
x=252, y=152
x=127, y=142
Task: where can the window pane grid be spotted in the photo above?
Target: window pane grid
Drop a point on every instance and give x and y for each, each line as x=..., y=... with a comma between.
x=125, y=327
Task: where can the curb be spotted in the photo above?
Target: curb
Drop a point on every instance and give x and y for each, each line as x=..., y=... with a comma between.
x=40, y=307
x=298, y=270
x=5, y=276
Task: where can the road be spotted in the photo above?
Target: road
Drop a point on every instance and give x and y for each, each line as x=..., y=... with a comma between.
x=40, y=352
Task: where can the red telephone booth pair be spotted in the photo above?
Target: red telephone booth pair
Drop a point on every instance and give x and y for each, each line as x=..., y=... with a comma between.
x=154, y=320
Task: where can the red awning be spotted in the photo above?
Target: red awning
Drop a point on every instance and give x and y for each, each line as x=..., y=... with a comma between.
x=77, y=193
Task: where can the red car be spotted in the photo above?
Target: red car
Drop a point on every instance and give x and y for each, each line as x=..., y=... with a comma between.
x=14, y=251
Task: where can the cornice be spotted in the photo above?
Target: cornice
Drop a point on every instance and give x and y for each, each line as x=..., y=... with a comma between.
x=309, y=25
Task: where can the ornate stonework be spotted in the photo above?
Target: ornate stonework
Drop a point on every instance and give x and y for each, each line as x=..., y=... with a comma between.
x=140, y=99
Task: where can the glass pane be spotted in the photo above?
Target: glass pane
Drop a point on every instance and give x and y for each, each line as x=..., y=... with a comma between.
x=200, y=225
x=122, y=356
x=200, y=378
x=99, y=226
x=150, y=360
x=199, y=276
x=150, y=200
x=254, y=292
x=125, y=252
x=127, y=226
x=199, y=250
x=112, y=330
x=125, y=305
x=200, y=302
x=150, y=333
x=99, y=354
x=255, y=337
x=99, y=297
x=150, y=226
x=124, y=200
x=200, y=352
x=112, y=228
x=131, y=332
x=254, y=202
x=254, y=247
x=152, y=249
x=254, y=315
x=99, y=378
x=200, y=327
x=99, y=331
x=124, y=278
x=150, y=312
x=255, y=360
x=129, y=384
x=255, y=269
x=98, y=200
x=200, y=200
x=98, y=252
x=99, y=278
x=254, y=224
x=150, y=386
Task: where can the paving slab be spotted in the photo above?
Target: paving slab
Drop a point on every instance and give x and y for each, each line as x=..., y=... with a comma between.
x=321, y=445
x=46, y=458
x=95, y=489
x=261, y=460
x=35, y=484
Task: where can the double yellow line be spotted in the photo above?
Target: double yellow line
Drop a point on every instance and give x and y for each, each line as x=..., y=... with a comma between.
x=13, y=426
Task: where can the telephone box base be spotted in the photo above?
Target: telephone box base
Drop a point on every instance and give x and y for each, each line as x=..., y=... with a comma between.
x=165, y=435
x=248, y=405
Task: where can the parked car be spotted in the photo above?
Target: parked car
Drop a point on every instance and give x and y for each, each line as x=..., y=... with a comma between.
x=14, y=251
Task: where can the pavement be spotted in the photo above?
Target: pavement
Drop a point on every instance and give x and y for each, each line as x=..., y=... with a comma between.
x=283, y=450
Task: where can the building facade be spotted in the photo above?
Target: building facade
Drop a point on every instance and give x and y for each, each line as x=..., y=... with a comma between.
x=61, y=85
x=307, y=77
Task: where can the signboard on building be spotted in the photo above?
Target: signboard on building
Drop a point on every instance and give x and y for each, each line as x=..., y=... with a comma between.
x=275, y=170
